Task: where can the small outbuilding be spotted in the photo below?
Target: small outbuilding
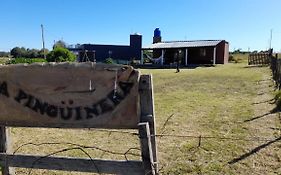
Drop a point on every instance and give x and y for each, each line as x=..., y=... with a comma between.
x=188, y=52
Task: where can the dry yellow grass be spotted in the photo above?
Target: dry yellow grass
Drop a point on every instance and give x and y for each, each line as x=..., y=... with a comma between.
x=212, y=101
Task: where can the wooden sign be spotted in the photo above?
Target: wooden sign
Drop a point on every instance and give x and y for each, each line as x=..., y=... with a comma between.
x=69, y=95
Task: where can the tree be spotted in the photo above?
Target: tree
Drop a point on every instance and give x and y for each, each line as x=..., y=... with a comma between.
x=59, y=43
x=60, y=54
x=41, y=53
x=32, y=53
x=237, y=50
x=21, y=52
x=17, y=52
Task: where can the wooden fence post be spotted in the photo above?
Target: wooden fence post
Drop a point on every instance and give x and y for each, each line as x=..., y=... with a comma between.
x=147, y=112
x=146, y=149
x=4, y=146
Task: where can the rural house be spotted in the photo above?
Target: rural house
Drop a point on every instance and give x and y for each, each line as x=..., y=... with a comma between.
x=188, y=52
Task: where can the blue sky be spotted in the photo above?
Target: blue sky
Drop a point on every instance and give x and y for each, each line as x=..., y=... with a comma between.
x=244, y=23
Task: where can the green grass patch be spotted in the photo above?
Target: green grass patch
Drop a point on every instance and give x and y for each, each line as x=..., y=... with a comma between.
x=26, y=60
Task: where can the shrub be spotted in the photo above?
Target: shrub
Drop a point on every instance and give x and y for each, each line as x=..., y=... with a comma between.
x=277, y=95
x=277, y=99
x=109, y=61
x=231, y=58
x=238, y=58
x=134, y=62
x=60, y=54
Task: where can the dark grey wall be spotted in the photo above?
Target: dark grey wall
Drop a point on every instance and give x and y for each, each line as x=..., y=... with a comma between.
x=135, y=46
x=116, y=52
x=103, y=51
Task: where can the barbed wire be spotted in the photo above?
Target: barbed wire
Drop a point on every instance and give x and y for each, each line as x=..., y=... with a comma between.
x=81, y=146
x=249, y=139
x=60, y=151
x=76, y=147
x=234, y=138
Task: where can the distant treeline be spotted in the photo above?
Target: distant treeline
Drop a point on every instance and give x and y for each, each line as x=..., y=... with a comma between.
x=4, y=54
x=22, y=52
x=239, y=51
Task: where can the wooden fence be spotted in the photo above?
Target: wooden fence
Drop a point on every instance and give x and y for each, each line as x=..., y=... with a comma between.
x=275, y=65
x=259, y=58
x=117, y=98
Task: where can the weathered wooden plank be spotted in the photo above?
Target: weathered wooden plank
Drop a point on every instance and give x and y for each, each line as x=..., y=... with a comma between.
x=69, y=95
x=74, y=164
x=146, y=149
x=147, y=111
x=5, y=147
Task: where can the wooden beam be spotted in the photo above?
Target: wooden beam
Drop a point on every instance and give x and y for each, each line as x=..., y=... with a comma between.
x=147, y=111
x=73, y=164
x=214, y=56
x=4, y=148
x=142, y=57
x=146, y=149
x=186, y=55
x=162, y=57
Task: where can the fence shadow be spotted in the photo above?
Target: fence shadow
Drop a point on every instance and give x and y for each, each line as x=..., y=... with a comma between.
x=277, y=129
x=255, y=66
x=253, y=151
x=262, y=93
x=271, y=101
x=273, y=111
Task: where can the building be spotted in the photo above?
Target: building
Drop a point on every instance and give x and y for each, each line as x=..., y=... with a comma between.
x=188, y=52
x=98, y=52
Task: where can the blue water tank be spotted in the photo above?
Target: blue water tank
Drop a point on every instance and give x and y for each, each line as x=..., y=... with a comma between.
x=157, y=32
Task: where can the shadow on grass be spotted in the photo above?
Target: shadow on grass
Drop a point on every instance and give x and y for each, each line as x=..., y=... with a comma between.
x=273, y=111
x=262, y=93
x=271, y=101
x=277, y=129
x=253, y=151
x=266, y=80
x=254, y=66
x=157, y=66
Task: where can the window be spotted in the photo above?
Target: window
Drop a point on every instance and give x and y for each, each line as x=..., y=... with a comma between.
x=202, y=52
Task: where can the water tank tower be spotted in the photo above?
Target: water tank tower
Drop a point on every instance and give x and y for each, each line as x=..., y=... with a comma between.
x=157, y=36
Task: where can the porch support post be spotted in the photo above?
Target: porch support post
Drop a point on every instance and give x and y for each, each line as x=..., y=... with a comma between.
x=186, y=55
x=162, y=57
x=141, y=57
x=214, y=56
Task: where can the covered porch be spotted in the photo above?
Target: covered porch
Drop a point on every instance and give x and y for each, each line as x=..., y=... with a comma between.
x=185, y=56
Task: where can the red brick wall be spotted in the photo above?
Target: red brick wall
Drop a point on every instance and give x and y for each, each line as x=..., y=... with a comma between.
x=222, y=52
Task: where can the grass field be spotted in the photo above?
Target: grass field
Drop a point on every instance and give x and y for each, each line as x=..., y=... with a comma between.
x=4, y=60
x=239, y=58
x=226, y=101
